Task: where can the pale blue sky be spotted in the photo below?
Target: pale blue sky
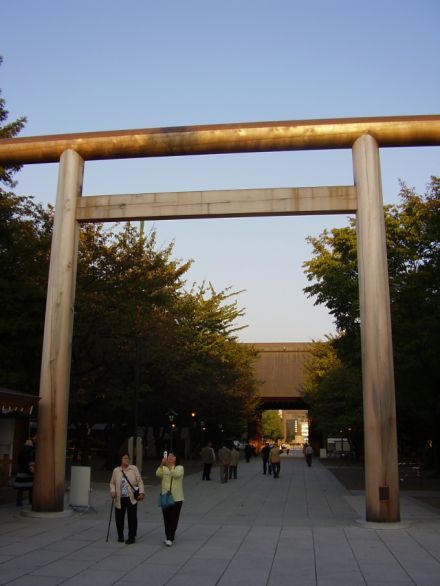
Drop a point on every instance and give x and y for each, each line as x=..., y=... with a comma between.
x=102, y=65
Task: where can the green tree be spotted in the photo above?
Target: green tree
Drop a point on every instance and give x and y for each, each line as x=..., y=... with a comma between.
x=333, y=392
x=123, y=285
x=25, y=233
x=144, y=345
x=213, y=368
x=412, y=231
x=271, y=426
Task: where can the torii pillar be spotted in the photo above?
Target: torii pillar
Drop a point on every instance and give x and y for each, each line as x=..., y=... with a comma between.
x=381, y=467
x=48, y=493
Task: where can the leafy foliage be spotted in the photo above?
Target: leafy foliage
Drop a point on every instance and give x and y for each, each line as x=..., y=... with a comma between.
x=412, y=231
x=271, y=425
x=25, y=233
x=144, y=345
x=333, y=392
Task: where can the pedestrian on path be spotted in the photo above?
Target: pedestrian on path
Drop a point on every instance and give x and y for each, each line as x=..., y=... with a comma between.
x=224, y=458
x=275, y=460
x=308, y=453
x=24, y=479
x=125, y=481
x=171, y=475
x=235, y=457
x=265, y=457
x=248, y=451
x=208, y=458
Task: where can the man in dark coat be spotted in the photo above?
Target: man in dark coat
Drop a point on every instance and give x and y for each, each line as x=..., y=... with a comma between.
x=265, y=456
x=24, y=479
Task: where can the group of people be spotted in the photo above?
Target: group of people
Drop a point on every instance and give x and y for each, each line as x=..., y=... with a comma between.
x=271, y=456
x=228, y=458
x=127, y=489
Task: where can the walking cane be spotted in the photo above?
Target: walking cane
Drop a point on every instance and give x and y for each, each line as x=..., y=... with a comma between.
x=110, y=520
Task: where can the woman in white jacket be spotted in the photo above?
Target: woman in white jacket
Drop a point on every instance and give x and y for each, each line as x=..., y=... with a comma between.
x=125, y=478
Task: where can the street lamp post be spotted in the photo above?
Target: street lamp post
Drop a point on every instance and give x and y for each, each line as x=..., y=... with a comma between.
x=202, y=427
x=171, y=416
x=171, y=420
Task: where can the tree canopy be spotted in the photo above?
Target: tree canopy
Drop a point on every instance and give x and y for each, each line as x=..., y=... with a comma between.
x=142, y=344
x=271, y=425
x=412, y=232
x=25, y=233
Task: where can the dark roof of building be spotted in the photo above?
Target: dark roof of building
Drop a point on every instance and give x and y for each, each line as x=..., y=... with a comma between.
x=16, y=402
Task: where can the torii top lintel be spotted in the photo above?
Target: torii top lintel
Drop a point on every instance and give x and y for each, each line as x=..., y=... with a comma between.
x=392, y=131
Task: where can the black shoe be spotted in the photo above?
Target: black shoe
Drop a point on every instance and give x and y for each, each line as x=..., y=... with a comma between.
x=130, y=540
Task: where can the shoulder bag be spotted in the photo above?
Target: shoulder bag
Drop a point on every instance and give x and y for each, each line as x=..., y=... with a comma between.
x=166, y=499
x=135, y=489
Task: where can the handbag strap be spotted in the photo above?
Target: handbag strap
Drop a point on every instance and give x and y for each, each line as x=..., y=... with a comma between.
x=171, y=485
x=132, y=487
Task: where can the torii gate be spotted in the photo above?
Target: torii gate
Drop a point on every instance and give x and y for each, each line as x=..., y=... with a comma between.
x=363, y=135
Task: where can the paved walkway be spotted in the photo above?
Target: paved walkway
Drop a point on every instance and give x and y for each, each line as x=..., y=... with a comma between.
x=303, y=529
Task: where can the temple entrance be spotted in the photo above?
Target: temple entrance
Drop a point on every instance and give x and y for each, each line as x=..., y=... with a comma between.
x=363, y=136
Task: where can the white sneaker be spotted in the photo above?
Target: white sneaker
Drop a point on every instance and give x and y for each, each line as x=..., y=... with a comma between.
x=168, y=543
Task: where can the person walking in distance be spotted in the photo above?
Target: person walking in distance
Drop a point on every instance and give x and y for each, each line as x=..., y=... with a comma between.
x=265, y=451
x=24, y=479
x=208, y=458
x=235, y=457
x=308, y=453
x=275, y=460
x=224, y=458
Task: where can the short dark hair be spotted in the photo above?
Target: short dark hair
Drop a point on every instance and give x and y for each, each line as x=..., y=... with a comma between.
x=176, y=456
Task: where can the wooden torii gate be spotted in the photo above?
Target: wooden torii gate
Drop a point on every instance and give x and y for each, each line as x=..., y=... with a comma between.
x=363, y=135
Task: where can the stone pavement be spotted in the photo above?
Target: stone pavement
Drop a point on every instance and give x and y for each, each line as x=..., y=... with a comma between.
x=303, y=529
